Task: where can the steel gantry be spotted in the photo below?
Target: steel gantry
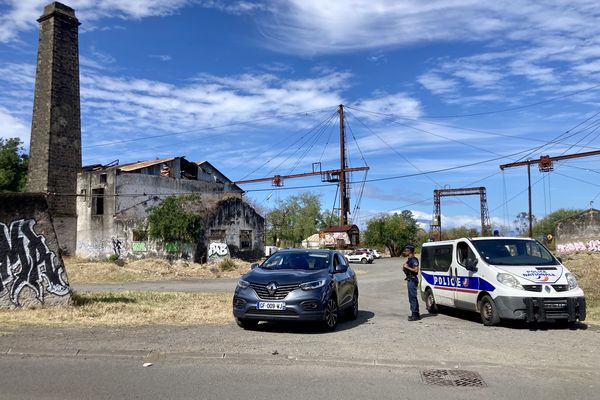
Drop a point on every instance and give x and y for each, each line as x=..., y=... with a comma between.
x=436, y=223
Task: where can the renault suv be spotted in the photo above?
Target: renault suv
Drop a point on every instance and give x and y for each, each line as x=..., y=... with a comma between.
x=297, y=285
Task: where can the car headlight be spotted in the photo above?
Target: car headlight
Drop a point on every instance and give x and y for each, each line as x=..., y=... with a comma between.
x=313, y=285
x=243, y=284
x=509, y=280
x=571, y=280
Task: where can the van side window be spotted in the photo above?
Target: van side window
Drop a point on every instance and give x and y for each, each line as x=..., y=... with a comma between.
x=436, y=258
x=464, y=253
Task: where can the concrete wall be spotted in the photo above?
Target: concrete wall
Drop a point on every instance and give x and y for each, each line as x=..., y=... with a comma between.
x=127, y=198
x=31, y=268
x=232, y=217
x=579, y=233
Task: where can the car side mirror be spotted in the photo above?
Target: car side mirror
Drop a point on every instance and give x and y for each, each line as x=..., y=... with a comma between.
x=471, y=264
x=340, y=269
x=253, y=265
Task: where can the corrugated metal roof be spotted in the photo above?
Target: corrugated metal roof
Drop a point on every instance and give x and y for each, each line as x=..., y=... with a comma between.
x=144, y=164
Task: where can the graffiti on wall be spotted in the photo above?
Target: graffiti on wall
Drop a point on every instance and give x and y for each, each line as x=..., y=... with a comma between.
x=592, y=245
x=117, y=246
x=217, y=250
x=332, y=238
x=27, y=262
x=139, y=247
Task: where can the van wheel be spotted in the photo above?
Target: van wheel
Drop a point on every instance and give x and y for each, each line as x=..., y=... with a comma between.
x=488, y=311
x=430, y=302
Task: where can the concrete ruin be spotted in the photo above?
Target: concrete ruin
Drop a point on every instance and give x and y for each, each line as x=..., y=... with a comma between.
x=114, y=201
x=55, y=148
x=579, y=233
x=32, y=271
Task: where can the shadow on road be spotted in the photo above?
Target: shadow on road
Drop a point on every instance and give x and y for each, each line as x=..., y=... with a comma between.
x=513, y=324
x=364, y=316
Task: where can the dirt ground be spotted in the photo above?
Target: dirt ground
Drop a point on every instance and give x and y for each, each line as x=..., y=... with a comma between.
x=150, y=269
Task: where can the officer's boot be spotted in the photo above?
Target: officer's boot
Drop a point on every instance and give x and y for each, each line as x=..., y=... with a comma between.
x=414, y=317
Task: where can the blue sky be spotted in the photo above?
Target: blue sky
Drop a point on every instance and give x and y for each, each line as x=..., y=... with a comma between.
x=242, y=83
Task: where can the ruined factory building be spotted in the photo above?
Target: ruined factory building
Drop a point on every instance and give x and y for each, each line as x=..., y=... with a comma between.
x=113, y=203
x=579, y=233
x=341, y=236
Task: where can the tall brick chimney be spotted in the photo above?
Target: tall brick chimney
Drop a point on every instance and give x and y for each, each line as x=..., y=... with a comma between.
x=55, y=149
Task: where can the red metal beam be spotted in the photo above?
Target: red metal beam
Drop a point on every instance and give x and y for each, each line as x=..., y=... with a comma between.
x=280, y=178
x=549, y=159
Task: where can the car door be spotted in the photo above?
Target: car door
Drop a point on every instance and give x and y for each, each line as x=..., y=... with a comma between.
x=439, y=273
x=343, y=280
x=466, y=282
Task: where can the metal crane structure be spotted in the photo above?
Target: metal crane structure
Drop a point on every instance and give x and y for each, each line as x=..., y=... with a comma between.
x=436, y=223
x=545, y=164
x=332, y=175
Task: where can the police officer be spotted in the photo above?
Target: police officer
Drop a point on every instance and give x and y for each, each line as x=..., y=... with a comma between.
x=411, y=270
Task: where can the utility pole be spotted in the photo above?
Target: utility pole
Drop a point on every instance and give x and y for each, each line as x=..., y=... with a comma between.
x=343, y=189
x=545, y=164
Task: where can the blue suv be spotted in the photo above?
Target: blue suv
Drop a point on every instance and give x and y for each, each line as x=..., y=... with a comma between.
x=297, y=285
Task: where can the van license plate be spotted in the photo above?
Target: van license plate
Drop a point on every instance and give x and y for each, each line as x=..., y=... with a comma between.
x=280, y=306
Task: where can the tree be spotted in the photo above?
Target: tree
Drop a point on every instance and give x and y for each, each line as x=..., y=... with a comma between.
x=392, y=231
x=176, y=219
x=13, y=165
x=329, y=218
x=294, y=219
x=547, y=225
x=459, y=232
x=522, y=223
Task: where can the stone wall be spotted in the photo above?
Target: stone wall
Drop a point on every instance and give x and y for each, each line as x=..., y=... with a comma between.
x=579, y=233
x=32, y=271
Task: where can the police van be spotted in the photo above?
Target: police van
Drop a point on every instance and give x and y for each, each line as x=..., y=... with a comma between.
x=500, y=278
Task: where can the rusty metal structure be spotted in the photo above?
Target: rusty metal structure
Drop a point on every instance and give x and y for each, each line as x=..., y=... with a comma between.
x=332, y=175
x=545, y=164
x=436, y=223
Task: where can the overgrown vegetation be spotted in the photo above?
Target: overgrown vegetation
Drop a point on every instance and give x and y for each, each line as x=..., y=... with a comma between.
x=176, y=219
x=294, y=219
x=128, y=309
x=13, y=165
x=227, y=264
x=586, y=267
x=392, y=231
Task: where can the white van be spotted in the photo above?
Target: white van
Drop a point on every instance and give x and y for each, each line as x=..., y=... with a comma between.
x=500, y=278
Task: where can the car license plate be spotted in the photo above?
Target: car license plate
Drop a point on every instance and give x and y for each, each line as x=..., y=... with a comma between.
x=279, y=306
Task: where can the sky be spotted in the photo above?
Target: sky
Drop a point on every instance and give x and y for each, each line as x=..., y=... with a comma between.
x=252, y=86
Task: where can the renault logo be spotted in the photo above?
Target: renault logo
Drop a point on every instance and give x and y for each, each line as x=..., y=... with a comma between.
x=272, y=288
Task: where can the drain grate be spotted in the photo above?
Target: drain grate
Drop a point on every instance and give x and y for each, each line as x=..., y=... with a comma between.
x=452, y=377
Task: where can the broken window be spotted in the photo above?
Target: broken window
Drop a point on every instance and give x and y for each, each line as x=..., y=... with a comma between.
x=217, y=235
x=103, y=178
x=245, y=239
x=97, y=201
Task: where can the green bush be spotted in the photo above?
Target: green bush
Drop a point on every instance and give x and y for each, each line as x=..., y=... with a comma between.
x=112, y=258
x=227, y=264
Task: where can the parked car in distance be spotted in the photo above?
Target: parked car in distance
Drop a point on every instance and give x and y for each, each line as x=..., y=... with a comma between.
x=360, y=257
x=375, y=253
x=297, y=285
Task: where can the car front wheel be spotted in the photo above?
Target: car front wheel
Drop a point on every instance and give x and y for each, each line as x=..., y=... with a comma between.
x=489, y=312
x=353, y=311
x=330, y=317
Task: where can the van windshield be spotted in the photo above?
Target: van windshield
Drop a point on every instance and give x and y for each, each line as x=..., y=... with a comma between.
x=514, y=252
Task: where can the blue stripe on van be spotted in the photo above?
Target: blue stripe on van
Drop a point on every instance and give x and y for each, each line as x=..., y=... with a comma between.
x=460, y=282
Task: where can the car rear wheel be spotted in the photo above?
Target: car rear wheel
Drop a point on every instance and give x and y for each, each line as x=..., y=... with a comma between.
x=246, y=323
x=430, y=302
x=363, y=260
x=489, y=312
x=330, y=318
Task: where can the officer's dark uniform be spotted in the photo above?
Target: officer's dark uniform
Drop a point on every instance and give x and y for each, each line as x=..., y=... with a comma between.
x=412, y=282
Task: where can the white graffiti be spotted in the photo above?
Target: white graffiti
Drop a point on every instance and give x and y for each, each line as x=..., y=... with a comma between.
x=26, y=261
x=216, y=250
x=592, y=245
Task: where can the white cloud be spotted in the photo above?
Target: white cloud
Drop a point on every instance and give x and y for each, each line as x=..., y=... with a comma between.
x=13, y=127
x=454, y=221
x=436, y=84
x=398, y=104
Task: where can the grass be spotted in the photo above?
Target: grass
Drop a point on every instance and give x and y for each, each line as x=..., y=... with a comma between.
x=150, y=269
x=586, y=266
x=128, y=309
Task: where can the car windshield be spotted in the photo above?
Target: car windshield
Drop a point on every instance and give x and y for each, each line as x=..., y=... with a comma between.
x=514, y=252
x=300, y=260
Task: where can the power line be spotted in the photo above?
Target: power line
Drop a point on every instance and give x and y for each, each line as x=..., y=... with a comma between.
x=213, y=127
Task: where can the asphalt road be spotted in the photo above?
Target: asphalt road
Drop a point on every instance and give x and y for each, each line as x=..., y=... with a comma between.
x=380, y=355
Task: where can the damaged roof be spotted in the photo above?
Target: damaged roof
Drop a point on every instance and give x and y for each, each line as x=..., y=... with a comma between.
x=144, y=164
